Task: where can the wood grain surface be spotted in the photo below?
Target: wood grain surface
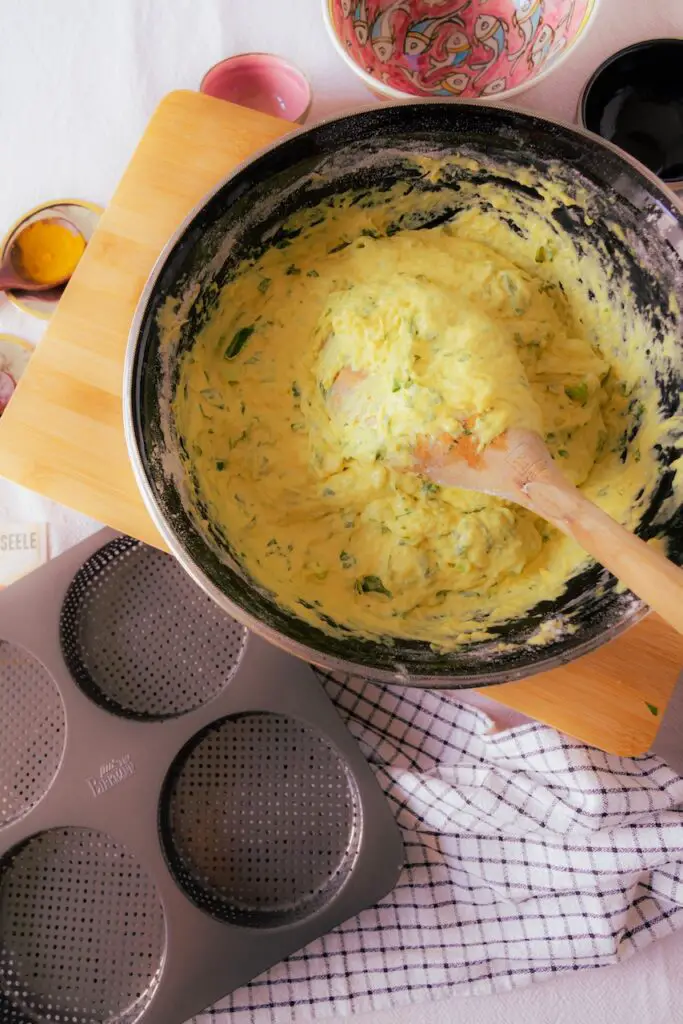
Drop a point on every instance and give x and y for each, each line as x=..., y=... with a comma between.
x=62, y=434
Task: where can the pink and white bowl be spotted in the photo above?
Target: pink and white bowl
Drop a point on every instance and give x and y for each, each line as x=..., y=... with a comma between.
x=462, y=49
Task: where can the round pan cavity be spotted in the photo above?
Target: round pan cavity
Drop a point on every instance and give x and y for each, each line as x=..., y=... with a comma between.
x=82, y=932
x=260, y=820
x=32, y=732
x=141, y=639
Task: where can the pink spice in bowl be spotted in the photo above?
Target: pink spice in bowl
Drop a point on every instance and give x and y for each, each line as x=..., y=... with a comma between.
x=260, y=81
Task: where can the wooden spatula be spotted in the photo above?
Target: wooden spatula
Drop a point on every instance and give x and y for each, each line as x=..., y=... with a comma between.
x=518, y=466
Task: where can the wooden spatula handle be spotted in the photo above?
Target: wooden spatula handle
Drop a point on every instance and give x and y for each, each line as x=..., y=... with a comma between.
x=638, y=565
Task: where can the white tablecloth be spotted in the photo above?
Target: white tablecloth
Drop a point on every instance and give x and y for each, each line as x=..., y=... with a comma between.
x=79, y=81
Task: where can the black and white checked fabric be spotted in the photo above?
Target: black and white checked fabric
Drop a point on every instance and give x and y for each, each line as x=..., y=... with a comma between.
x=528, y=854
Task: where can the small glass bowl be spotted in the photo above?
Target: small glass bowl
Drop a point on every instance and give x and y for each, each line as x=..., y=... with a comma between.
x=260, y=81
x=83, y=215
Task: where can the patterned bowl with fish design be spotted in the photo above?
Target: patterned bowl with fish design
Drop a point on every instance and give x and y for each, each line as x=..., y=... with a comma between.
x=463, y=49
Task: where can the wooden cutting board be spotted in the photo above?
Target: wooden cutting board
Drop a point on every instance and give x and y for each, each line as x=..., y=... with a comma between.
x=62, y=434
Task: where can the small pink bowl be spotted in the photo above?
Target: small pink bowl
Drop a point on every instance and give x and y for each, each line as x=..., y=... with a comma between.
x=261, y=81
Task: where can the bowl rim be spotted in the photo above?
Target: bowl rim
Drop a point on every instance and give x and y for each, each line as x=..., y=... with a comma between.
x=152, y=504
x=625, y=51
x=278, y=59
x=390, y=92
x=22, y=300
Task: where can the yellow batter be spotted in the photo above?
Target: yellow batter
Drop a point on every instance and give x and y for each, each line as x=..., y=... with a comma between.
x=464, y=320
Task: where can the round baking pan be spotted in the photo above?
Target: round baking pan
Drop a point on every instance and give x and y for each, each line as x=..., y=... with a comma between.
x=141, y=639
x=32, y=732
x=260, y=820
x=82, y=931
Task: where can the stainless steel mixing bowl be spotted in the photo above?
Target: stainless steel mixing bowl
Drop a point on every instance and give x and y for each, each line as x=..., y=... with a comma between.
x=634, y=226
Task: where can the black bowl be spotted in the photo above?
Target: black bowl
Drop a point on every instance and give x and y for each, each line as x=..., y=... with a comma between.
x=635, y=100
x=636, y=228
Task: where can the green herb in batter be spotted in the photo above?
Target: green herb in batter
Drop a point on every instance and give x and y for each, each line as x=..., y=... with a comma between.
x=563, y=453
x=220, y=465
x=637, y=410
x=292, y=271
x=264, y=285
x=371, y=585
x=239, y=340
x=312, y=273
x=577, y=392
x=512, y=286
x=213, y=397
x=241, y=437
x=347, y=560
x=652, y=708
x=339, y=247
x=621, y=446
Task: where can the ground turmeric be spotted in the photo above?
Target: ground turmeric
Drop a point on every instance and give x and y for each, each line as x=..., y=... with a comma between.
x=48, y=250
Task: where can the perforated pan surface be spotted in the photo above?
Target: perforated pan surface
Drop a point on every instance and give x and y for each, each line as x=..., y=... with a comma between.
x=141, y=638
x=81, y=931
x=150, y=867
x=260, y=820
x=32, y=729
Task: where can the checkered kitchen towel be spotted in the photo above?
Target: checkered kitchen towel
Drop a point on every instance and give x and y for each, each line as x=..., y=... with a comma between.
x=528, y=854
